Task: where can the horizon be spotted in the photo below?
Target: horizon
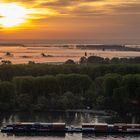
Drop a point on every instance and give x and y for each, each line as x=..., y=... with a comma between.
x=70, y=41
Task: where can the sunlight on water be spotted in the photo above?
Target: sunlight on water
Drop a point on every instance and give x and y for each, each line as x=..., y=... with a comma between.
x=56, y=54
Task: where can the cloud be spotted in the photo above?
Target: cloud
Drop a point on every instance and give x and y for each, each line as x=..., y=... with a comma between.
x=91, y=7
x=102, y=19
x=71, y=7
x=64, y=3
x=81, y=7
x=127, y=8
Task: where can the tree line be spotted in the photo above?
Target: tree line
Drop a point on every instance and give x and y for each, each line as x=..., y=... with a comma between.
x=8, y=71
x=101, y=60
x=114, y=60
x=43, y=87
x=44, y=92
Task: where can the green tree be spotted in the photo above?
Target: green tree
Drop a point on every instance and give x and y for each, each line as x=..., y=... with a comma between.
x=120, y=100
x=7, y=96
x=74, y=83
x=45, y=86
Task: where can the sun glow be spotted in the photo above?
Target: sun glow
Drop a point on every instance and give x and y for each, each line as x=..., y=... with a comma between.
x=12, y=14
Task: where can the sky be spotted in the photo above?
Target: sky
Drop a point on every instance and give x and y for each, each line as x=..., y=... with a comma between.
x=100, y=20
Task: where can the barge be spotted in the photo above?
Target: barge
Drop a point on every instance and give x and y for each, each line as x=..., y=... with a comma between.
x=118, y=128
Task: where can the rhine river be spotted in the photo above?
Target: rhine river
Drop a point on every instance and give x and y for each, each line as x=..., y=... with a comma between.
x=71, y=119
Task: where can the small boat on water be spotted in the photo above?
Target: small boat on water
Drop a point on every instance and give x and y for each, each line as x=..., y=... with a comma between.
x=61, y=127
x=34, y=127
x=112, y=128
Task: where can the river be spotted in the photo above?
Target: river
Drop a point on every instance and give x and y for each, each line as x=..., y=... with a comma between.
x=70, y=118
x=55, y=54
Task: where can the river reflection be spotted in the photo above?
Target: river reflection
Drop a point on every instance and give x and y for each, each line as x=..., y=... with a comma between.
x=70, y=118
x=69, y=137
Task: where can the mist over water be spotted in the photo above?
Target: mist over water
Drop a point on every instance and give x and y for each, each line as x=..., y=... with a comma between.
x=20, y=53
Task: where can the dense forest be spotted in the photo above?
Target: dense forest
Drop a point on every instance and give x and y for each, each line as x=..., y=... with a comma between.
x=114, y=60
x=40, y=87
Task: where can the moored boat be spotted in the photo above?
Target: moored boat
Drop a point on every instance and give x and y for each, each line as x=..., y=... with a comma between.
x=34, y=127
x=61, y=127
x=112, y=128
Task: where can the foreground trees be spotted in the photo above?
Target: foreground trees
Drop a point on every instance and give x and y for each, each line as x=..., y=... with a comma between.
x=120, y=93
x=8, y=72
x=46, y=87
x=7, y=96
x=50, y=92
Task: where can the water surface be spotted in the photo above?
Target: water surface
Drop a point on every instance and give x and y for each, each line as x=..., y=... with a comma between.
x=71, y=119
x=56, y=54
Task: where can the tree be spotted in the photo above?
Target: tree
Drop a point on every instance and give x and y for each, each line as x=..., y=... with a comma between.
x=24, y=102
x=31, y=62
x=120, y=100
x=8, y=54
x=115, y=60
x=45, y=86
x=24, y=84
x=131, y=82
x=70, y=61
x=95, y=59
x=74, y=83
x=6, y=62
x=90, y=96
x=7, y=96
x=111, y=82
x=83, y=60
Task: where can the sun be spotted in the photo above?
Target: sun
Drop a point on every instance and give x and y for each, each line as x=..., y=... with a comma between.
x=12, y=14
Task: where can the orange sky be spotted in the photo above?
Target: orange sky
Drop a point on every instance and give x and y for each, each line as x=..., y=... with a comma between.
x=71, y=19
